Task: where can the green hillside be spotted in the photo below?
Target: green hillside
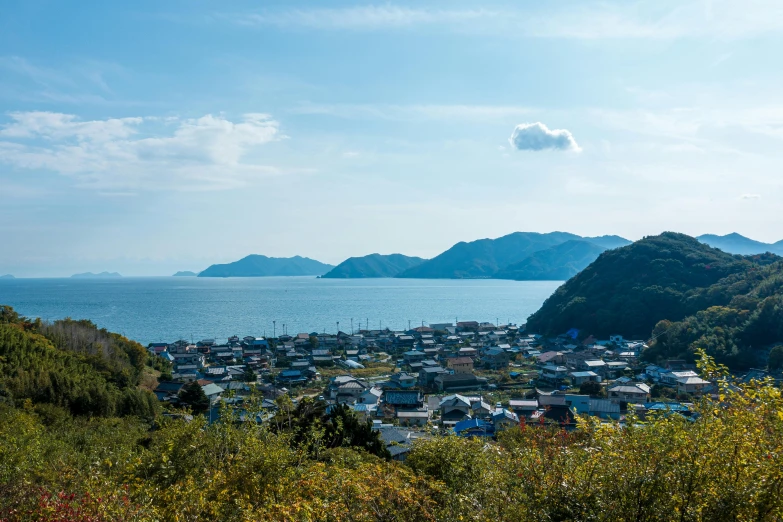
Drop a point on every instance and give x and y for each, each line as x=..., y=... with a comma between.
x=72, y=365
x=373, y=265
x=557, y=263
x=629, y=289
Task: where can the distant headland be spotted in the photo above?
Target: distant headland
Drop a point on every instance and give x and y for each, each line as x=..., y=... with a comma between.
x=185, y=273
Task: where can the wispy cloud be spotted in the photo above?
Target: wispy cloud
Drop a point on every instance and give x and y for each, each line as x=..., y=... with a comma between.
x=750, y=196
x=537, y=136
x=137, y=153
x=413, y=111
x=369, y=17
x=616, y=19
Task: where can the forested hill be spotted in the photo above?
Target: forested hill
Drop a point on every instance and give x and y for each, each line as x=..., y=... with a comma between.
x=484, y=257
x=262, y=266
x=373, y=265
x=629, y=289
x=557, y=263
x=71, y=365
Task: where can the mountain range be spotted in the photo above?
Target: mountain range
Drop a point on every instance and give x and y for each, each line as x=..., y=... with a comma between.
x=522, y=256
x=737, y=244
x=185, y=273
x=373, y=265
x=678, y=292
x=262, y=266
x=509, y=257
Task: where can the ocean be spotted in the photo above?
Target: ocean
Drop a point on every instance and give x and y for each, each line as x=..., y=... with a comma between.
x=158, y=309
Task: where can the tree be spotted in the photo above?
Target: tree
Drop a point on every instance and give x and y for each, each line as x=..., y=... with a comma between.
x=249, y=375
x=775, y=361
x=313, y=342
x=193, y=395
x=591, y=388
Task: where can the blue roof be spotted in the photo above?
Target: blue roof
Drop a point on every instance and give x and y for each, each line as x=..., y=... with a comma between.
x=469, y=424
x=402, y=397
x=664, y=406
x=290, y=373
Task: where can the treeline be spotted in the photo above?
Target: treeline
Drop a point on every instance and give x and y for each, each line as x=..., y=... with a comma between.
x=723, y=464
x=741, y=333
x=72, y=365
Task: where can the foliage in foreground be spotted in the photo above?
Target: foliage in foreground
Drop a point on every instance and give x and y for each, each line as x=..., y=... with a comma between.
x=726, y=464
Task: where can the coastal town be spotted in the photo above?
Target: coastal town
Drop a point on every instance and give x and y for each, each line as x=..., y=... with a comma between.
x=467, y=378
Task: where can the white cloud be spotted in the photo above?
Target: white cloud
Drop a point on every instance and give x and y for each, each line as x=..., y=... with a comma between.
x=750, y=196
x=123, y=153
x=537, y=136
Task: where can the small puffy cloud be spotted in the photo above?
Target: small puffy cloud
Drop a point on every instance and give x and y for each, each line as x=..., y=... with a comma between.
x=750, y=196
x=210, y=152
x=537, y=136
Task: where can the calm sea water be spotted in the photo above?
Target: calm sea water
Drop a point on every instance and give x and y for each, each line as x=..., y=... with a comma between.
x=170, y=308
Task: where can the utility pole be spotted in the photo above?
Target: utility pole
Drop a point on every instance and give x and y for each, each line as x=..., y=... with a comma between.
x=409, y=324
x=338, y=328
x=274, y=329
x=351, y=325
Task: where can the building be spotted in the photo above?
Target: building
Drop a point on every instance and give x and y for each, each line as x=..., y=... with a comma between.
x=632, y=392
x=458, y=381
x=495, y=359
x=460, y=364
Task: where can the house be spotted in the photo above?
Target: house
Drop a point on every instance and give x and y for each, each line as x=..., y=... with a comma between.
x=394, y=400
x=632, y=392
x=413, y=356
x=401, y=380
x=365, y=412
x=458, y=381
x=166, y=390
x=370, y=396
x=474, y=428
x=553, y=373
x=212, y=391
x=495, y=359
x=291, y=377
x=581, y=377
x=692, y=384
x=460, y=364
x=427, y=376
x=503, y=418
x=398, y=441
x=523, y=407
x=413, y=418
x=345, y=388
x=454, y=408
x=480, y=409
x=592, y=365
x=467, y=352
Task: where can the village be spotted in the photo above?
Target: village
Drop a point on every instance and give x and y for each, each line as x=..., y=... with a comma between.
x=466, y=378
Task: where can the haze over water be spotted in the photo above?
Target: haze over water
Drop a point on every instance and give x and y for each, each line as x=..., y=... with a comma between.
x=169, y=308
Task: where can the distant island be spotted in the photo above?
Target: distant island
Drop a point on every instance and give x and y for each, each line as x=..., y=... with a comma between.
x=185, y=273
x=7, y=276
x=263, y=266
x=509, y=257
x=91, y=275
x=373, y=265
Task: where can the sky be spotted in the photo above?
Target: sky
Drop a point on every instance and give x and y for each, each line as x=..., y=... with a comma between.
x=148, y=137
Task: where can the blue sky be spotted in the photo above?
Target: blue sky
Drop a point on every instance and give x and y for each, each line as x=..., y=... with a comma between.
x=147, y=137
